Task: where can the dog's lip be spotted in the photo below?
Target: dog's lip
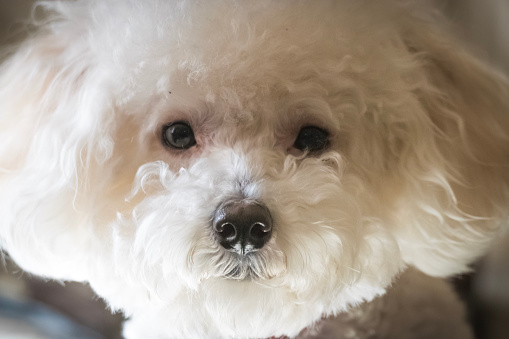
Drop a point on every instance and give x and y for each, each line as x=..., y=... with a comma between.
x=242, y=270
x=235, y=274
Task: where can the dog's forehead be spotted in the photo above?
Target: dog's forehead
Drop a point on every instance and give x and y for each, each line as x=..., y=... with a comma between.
x=254, y=68
x=234, y=53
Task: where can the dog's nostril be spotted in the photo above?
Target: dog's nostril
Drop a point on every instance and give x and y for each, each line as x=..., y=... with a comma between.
x=258, y=231
x=226, y=230
x=242, y=226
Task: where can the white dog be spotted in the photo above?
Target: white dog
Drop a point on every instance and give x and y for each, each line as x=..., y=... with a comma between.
x=254, y=169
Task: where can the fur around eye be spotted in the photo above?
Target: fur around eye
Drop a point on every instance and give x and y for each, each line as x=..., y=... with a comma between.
x=178, y=135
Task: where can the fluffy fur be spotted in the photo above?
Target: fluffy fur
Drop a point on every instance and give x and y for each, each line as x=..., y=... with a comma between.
x=415, y=179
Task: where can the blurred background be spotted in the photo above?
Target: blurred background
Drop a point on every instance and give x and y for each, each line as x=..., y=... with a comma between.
x=31, y=308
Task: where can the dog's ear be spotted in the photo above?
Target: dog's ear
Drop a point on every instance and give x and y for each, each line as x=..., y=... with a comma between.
x=463, y=195
x=50, y=118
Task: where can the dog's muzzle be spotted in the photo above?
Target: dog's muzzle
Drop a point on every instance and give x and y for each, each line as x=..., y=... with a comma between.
x=242, y=226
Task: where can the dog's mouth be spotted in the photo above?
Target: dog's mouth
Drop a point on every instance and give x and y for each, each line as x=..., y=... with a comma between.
x=266, y=264
x=241, y=273
x=259, y=266
x=244, y=267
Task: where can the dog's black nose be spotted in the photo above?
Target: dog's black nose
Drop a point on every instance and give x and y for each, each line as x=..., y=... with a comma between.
x=242, y=226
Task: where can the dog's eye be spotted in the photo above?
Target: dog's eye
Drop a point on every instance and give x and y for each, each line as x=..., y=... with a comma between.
x=311, y=138
x=178, y=135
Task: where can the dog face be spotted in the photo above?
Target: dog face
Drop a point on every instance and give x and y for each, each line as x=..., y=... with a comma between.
x=234, y=170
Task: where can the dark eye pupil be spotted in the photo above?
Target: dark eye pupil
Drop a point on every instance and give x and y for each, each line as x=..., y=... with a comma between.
x=178, y=135
x=311, y=139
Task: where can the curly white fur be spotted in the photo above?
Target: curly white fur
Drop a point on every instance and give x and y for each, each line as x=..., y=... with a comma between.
x=416, y=173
